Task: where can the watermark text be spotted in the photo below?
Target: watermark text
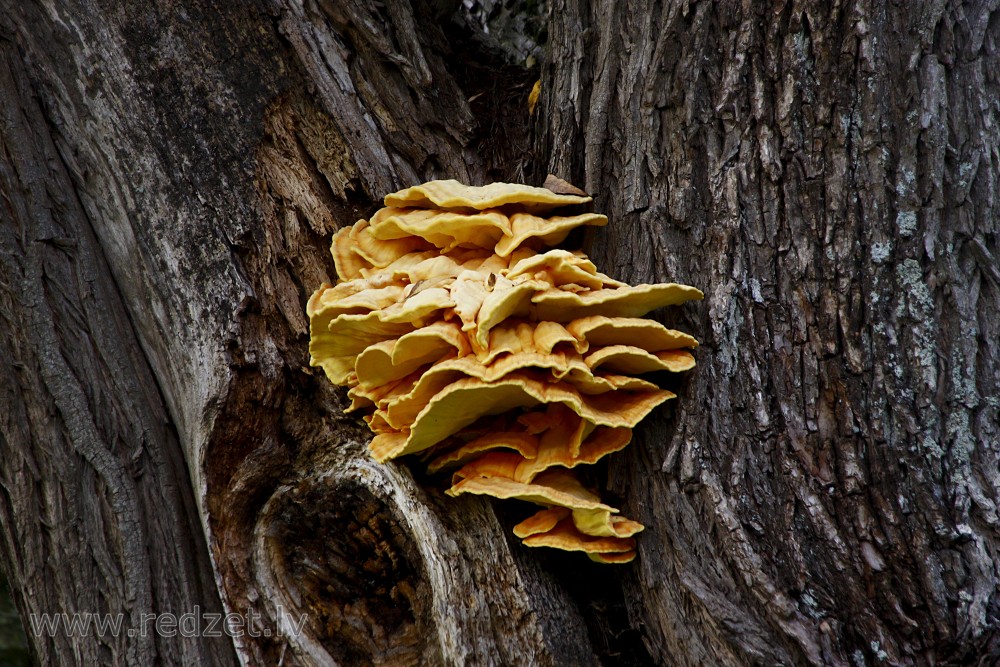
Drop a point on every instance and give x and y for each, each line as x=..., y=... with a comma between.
x=194, y=623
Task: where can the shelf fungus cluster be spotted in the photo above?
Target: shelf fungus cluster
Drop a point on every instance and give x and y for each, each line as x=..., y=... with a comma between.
x=467, y=338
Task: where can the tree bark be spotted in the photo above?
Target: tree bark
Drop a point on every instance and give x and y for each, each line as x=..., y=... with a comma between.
x=823, y=492
x=826, y=491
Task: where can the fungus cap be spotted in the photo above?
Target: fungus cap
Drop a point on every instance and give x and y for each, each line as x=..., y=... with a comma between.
x=450, y=194
x=564, y=535
x=461, y=402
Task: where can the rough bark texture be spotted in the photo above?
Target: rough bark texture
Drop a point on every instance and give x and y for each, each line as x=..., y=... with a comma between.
x=825, y=491
x=828, y=174
x=90, y=460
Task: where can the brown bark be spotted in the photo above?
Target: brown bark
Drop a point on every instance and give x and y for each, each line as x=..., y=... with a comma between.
x=824, y=491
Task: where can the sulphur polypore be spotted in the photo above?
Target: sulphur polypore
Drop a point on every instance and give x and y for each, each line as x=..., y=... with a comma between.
x=465, y=337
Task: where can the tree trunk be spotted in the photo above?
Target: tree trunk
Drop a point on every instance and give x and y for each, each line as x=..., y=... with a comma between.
x=826, y=492
x=823, y=492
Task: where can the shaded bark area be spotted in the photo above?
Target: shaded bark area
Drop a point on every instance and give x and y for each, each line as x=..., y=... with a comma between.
x=827, y=173
x=13, y=643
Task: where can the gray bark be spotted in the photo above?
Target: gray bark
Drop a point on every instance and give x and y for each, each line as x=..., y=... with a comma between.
x=824, y=491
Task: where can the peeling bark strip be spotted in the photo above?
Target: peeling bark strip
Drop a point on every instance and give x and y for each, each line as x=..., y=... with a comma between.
x=170, y=174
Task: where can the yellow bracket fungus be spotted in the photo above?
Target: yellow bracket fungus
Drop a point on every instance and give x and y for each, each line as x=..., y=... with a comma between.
x=465, y=337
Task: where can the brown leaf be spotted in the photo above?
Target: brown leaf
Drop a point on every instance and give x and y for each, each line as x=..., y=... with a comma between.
x=561, y=187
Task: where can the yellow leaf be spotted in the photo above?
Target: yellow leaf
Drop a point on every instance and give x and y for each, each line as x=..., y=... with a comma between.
x=533, y=96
